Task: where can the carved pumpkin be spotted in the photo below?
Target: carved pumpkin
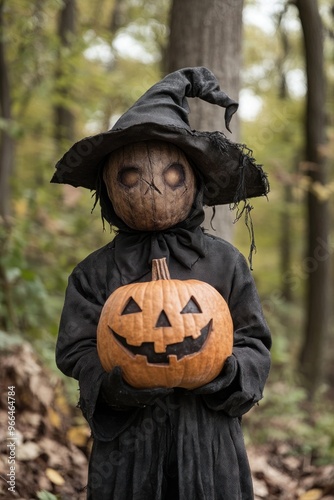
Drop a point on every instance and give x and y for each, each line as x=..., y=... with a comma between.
x=166, y=332
x=151, y=185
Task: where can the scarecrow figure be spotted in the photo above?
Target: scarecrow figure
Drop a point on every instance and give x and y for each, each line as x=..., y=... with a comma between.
x=152, y=175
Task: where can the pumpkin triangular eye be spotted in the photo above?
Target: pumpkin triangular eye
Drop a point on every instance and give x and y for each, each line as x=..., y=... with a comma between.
x=191, y=307
x=131, y=307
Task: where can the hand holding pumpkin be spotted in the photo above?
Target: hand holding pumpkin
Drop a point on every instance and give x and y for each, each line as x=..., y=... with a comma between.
x=116, y=392
x=225, y=380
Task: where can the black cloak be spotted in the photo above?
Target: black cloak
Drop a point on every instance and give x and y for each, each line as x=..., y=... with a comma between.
x=187, y=441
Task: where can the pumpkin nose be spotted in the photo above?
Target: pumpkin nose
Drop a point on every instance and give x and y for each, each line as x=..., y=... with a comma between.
x=163, y=320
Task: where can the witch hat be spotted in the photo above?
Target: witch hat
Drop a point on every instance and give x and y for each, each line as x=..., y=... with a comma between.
x=227, y=169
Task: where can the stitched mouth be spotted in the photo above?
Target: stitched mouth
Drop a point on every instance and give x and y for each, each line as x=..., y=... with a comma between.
x=181, y=349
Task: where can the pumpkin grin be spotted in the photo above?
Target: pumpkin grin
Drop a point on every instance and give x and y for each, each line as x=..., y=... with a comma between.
x=186, y=347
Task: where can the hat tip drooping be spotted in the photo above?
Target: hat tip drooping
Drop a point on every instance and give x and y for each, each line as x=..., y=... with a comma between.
x=229, y=112
x=165, y=103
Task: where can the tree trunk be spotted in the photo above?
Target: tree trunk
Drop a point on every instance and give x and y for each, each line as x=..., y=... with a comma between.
x=317, y=261
x=285, y=244
x=64, y=118
x=209, y=33
x=7, y=314
x=6, y=141
x=117, y=16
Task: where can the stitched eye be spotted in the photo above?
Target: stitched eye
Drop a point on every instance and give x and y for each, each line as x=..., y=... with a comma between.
x=191, y=307
x=129, y=176
x=131, y=307
x=174, y=175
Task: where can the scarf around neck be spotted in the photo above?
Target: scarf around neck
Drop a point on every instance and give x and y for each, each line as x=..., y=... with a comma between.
x=134, y=250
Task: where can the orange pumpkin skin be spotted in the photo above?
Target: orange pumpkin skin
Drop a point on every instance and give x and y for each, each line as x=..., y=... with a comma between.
x=155, y=314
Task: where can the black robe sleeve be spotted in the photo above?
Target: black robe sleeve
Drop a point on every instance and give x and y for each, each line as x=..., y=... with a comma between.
x=250, y=361
x=76, y=350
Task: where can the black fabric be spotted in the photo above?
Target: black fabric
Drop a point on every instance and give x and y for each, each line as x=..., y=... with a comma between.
x=229, y=171
x=205, y=427
x=184, y=246
x=178, y=449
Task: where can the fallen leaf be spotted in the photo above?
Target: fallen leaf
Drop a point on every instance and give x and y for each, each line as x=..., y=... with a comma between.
x=78, y=435
x=54, y=477
x=314, y=494
x=54, y=418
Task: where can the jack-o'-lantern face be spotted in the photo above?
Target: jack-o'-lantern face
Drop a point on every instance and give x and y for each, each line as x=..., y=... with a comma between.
x=165, y=333
x=151, y=185
x=158, y=332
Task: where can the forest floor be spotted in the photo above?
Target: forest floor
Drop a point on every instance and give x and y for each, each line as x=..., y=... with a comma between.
x=48, y=443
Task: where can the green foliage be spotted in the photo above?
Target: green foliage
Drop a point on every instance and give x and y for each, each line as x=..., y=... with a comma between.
x=45, y=495
x=286, y=414
x=6, y=341
x=23, y=296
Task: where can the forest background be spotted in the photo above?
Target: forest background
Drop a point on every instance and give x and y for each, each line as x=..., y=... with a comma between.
x=85, y=71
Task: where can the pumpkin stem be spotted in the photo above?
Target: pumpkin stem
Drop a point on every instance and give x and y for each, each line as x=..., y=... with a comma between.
x=160, y=269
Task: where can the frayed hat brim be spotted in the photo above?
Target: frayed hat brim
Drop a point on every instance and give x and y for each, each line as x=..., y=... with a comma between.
x=228, y=170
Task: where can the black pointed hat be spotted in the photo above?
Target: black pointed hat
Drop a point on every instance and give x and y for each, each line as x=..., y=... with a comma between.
x=228, y=170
